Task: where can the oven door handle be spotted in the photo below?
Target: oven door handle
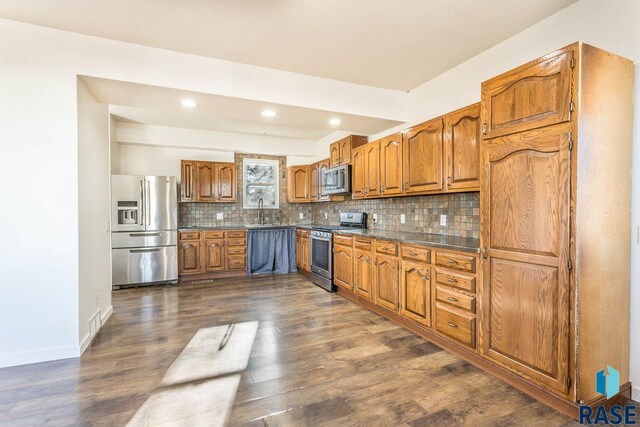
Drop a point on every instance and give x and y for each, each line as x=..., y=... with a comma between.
x=321, y=238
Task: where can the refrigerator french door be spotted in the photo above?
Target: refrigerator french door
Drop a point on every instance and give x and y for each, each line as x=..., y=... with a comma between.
x=144, y=229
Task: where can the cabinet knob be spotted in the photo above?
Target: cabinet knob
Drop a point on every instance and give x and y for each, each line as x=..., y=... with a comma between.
x=484, y=128
x=453, y=325
x=448, y=181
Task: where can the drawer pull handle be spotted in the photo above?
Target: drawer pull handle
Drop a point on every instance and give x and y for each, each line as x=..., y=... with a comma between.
x=451, y=280
x=453, y=325
x=452, y=299
x=452, y=261
x=413, y=254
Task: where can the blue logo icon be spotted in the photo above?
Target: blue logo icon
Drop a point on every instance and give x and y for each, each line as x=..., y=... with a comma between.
x=608, y=384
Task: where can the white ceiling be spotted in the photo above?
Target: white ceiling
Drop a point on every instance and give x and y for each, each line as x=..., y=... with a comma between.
x=154, y=105
x=396, y=44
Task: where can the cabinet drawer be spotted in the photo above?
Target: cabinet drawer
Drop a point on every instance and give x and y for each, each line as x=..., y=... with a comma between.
x=304, y=233
x=189, y=235
x=386, y=247
x=457, y=261
x=237, y=262
x=416, y=252
x=218, y=234
x=237, y=233
x=237, y=242
x=456, y=299
x=339, y=239
x=460, y=327
x=362, y=244
x=237, y=250
x=450, y=278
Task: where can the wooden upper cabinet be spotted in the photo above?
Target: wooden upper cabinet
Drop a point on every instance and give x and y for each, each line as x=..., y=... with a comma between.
x=323, y=165
x=358, y=173
x=525, y=233
x=314, y=182
x=386, y=286
x=462, y=149
x=415, y=292
x=391, y=165
x=205, y=187
x=226, y=182
x=334, y=155
x=340, y=151
x=372, y=168
x=345, y=150
x=187, y=174
x=422, y=152
x=298, y=184
x=531, y=96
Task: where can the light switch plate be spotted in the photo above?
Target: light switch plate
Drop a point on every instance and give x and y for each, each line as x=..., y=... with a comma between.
x=220, y=215
x=403, y=218
x=443, y=220
x=301, y=215
x=326, y=215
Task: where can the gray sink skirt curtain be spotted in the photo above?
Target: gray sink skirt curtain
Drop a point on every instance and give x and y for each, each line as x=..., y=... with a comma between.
x=272, y=251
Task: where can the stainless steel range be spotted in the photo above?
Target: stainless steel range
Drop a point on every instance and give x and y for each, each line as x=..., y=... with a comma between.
x=322, y=247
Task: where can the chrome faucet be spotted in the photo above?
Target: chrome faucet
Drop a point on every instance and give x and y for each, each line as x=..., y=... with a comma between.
x=260, y=211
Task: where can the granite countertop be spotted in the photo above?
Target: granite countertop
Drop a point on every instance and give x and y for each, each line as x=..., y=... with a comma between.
x=241, y=227
x=466, y=244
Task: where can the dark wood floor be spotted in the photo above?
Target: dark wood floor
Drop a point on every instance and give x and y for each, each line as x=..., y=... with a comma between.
x=317, y=359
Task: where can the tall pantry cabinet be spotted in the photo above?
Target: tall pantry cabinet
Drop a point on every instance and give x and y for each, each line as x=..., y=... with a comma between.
x=555, y=222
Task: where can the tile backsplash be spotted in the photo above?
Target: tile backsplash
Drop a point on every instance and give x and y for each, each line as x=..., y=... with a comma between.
x=422, y=213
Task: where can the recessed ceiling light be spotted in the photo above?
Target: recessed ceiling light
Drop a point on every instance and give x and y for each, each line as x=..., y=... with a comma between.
x=189, y=103
x=335, y=122
x=268, y=113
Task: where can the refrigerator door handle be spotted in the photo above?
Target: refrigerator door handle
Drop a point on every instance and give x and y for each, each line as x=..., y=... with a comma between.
x=142, y=206
x=148, y=204
x=156, y=234
x=139, y=251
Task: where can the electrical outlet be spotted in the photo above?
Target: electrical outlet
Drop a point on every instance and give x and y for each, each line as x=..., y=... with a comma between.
x=219, y=215
x=375, y=218
x=301, y=215
x=443, y=220
x=326, y=215
x=403, y=219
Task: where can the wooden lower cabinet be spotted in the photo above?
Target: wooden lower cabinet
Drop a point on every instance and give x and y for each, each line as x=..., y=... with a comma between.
x=386, y=278
x=343, y=266
x=189, y=256
x=363, y=273
x=303, y=250
x=415, y=291
x=214, y=255
x=210, y=253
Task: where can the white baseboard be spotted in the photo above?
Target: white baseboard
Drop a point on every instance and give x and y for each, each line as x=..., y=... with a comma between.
x=84, y=343
x=37, y=356
x=635, y=393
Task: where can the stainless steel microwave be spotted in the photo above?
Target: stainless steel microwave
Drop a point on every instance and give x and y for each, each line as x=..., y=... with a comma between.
x=337, y=180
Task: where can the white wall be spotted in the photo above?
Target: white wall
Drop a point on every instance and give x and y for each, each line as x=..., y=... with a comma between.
x=94, y=244
x=114, y=146
x=157, y=150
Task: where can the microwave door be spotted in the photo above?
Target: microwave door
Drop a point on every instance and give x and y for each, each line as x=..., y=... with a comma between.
x=160, y=203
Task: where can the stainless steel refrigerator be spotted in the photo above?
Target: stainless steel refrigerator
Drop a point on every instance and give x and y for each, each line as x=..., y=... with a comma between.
x=144, y=230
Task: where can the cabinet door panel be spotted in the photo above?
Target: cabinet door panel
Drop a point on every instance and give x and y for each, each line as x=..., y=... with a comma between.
x=462, y=146
x=391, y=165
x=323, y=165
x=359, y=173
x=415, y=292
x=205, y=176
x=189, y=259
x=298, y=184
x=362, y=273
x=314, y=183
x=345, y=150
x=214, y=255
x=532, y=96
x=386, y=281
x=187, y=178
x=525, y=230
x=334, y=154
x=422, y=151
x=372, y=160
x=343, y=266
x=226, y=182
